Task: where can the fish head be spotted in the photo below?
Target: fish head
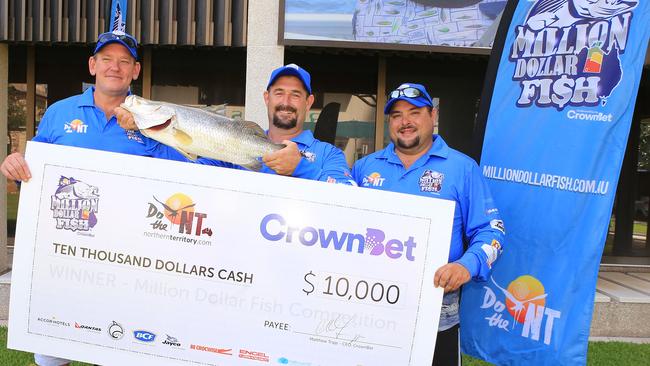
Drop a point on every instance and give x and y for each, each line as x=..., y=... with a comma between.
x=603, y=9
x=84, y=190
x=148, y=113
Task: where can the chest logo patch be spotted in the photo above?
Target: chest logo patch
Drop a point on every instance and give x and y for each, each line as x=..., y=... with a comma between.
x=134, y=135
x=431, y=181
x=75, y=126
x=374, y=180
x=310, y=156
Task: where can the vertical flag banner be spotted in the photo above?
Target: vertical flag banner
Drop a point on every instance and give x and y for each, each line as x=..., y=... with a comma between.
x=559, y=118
x=118, y=15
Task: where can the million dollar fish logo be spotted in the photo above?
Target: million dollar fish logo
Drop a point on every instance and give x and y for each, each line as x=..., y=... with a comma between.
x=567, y=52
x=75, y=205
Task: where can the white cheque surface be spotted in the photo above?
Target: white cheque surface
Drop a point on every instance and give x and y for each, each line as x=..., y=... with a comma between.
x=124, y=260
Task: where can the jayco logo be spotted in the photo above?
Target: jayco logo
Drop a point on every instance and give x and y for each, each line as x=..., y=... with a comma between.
x=567, y=52
x=74, y=205
x=274, y=227
x=525, y=301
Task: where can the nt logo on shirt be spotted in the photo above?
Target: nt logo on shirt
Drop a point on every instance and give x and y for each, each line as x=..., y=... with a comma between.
x=76, y=125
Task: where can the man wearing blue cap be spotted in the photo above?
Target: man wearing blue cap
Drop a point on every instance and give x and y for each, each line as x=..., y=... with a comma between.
x=419, y=162
x=288, y=98
x=86, y=120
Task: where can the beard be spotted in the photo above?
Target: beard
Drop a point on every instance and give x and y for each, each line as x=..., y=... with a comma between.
x=408, y=144
x=288, y=123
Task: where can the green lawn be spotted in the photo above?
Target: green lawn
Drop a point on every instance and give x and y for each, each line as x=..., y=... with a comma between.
x=10, y=357
x=600, y=354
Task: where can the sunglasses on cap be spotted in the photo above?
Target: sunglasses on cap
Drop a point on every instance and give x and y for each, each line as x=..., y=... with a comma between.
x=114, y=36
x=409, y=92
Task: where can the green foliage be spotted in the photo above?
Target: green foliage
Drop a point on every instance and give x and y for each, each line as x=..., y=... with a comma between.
x=16, y=112
x=644, y=146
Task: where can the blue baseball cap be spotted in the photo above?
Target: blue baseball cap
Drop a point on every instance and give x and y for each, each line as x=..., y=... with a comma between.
x=122, y=38
x=415, y=94
x=291, y=70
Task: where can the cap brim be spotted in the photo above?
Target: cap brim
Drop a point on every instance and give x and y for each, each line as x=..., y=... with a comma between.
x=415, y=101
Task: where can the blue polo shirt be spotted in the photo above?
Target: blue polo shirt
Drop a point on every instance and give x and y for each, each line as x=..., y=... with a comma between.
x=447, y=174
x=77, y=121
x=321, y=161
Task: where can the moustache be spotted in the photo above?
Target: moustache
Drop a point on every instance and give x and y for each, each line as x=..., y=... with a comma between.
x=285, y=108
x=401, y=129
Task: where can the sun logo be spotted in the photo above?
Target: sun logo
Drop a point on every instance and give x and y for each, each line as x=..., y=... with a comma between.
x=521, y=292
x=177, y=205
x=373, y=179
x=76, y=125
x=179, y=210
x=525, y=301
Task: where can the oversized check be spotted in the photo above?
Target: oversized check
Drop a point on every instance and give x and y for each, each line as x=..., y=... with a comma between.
x=125, y=260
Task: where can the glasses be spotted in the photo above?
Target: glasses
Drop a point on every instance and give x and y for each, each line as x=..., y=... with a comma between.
x=409, y=92
x=111, y=36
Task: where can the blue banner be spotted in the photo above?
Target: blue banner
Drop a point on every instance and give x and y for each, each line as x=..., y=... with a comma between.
x=556, y=132
x=118, y=15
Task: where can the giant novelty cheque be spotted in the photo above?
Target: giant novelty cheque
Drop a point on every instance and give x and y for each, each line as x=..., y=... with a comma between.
x=128, y=260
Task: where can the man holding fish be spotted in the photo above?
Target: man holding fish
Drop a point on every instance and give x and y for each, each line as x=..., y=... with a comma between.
x=86, y=120
x=287, y=149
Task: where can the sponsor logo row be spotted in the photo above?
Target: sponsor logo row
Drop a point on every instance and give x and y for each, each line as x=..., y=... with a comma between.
x=116, y=331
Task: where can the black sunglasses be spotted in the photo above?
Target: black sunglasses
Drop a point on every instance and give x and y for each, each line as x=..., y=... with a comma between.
x=110, y=36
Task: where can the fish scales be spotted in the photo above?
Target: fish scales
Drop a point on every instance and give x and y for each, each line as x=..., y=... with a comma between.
x=198, y=132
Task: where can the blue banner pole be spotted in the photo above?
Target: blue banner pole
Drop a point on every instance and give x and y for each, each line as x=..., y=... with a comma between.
x=559, y=118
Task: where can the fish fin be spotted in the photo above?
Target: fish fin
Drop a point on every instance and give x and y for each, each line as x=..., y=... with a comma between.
x=181, y=137
x=254, y=165
x=254, y=128
x=215, y=109
x=190, y=156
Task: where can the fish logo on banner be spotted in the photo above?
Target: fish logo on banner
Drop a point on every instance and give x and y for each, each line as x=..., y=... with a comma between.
x=74, y=205
x=521, y=307
x=567, y=53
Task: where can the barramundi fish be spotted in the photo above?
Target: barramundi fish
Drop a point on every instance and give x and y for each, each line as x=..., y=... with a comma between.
x=565, y=13
x=201, y=132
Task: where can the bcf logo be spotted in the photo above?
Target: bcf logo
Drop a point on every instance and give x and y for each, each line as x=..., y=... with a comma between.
x=144, y=336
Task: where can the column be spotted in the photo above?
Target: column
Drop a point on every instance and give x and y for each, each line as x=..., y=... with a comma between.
x=263, y=55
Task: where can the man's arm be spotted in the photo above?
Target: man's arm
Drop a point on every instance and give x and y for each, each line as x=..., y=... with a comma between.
x=484, y=229
x=14, y=166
